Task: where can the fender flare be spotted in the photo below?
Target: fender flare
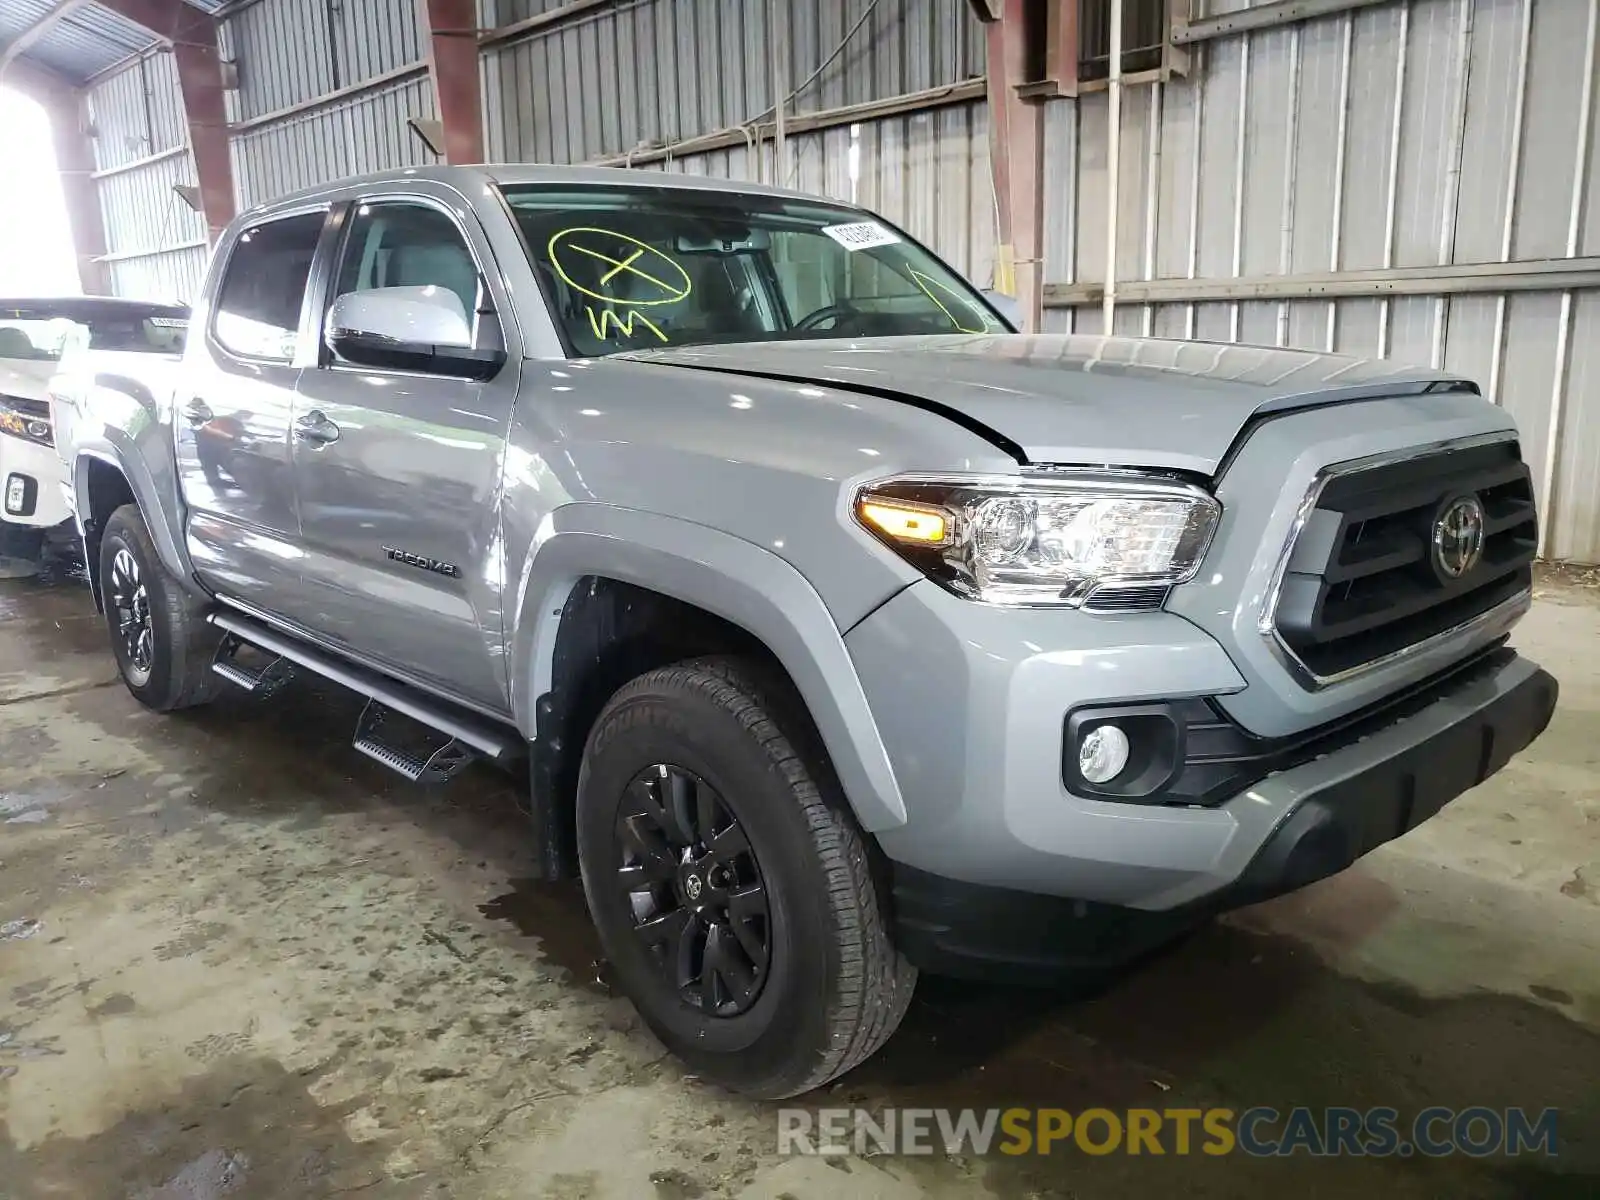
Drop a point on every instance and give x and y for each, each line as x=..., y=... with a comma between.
x=730, y=577
x=145, y=494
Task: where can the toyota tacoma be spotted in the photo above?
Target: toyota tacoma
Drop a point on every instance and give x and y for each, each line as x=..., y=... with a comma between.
x=844, y=631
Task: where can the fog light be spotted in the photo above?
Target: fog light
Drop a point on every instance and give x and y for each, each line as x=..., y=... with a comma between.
x=16, y=495
x=1102, y=754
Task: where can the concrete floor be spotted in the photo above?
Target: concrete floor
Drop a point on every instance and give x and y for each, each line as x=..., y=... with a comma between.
x=237, y=959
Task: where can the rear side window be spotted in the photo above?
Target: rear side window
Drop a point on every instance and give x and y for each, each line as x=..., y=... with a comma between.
x=264, y=285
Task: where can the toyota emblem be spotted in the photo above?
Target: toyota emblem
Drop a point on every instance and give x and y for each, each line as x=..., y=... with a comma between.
x=692, y=886
x=1458, y=537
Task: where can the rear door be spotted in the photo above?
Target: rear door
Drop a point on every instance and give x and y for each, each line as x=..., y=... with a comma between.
x=398, y=474
x=232, y=410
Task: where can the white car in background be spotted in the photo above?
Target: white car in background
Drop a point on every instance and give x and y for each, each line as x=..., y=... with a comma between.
x=56, y=347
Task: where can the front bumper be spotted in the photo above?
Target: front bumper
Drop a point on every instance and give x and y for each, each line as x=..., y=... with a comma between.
x=974, y=727
x=30, y=485
x=1338, y=812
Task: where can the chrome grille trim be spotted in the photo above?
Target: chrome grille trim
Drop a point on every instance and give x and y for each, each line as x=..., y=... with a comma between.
x=1267, y=622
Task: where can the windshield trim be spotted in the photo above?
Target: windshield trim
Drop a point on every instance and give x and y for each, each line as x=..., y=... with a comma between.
x=757, y=201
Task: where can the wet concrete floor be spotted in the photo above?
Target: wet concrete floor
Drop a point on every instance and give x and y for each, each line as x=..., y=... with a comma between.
x=239, y=960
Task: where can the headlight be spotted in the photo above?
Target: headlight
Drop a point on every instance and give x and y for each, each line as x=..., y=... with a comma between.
x=1042, y=540
x=17, y=420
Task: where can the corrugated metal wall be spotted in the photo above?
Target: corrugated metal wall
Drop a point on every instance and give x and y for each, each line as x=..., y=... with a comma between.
x=1236, y=172
x=362, y=133
x=292, y=51
x=1324, y=146
x=666, y=70
x=155, y=240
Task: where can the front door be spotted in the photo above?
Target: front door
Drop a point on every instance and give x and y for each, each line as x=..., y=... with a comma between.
x=398, y=472
x=232, y=413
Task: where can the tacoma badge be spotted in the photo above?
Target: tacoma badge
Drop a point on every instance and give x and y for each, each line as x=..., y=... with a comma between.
x=437, y=566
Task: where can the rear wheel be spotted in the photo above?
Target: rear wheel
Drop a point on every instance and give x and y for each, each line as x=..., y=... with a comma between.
x=158, y=632
x=732, y=890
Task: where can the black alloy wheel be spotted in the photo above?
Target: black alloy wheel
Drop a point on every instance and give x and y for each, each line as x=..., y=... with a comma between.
x=695, y=889
x=129, y=602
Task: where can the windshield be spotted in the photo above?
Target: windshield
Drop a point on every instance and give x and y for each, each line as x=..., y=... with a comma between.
x=633, y=268
x=33, y=336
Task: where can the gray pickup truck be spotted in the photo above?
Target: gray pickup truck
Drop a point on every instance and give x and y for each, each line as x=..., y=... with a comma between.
x=844, y=631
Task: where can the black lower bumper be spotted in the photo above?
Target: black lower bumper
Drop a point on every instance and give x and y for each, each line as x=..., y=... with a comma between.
x=948, y=927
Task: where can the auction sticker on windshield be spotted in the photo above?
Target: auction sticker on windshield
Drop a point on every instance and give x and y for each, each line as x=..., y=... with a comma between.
x=861, y=235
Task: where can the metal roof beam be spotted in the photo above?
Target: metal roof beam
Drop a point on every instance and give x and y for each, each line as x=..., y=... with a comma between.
x=20, y=44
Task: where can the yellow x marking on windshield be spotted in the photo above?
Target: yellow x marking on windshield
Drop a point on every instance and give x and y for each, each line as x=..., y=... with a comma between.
x=618, y=264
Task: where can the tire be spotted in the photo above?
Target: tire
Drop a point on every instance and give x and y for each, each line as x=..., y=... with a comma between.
x=834, y=987
x=172, y=668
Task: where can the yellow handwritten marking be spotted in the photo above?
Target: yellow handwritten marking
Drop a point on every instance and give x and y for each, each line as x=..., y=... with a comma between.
x=620, y=265
x=624, y=323
x=625, y=265
x=561, y=243
x=923, y=281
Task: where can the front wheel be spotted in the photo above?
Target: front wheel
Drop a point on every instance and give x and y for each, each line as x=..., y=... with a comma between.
x=162, y=644
x=732, y=890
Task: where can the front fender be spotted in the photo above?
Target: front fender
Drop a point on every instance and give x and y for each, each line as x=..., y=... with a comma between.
x=724, y=575
x=160, y=512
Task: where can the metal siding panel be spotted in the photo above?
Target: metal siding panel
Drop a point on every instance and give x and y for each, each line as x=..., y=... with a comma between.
x=1550, y=129
x=1530, y=358
x=1432, y=80
x=1575, y=515
x=1089, y=246
x=1374, y=47
x=1178, y=131
x=1258, y=323
x=1266, y=151
x=1212, y=322
x=1316, y=147
x=169, y=128
x=1358, y=327
x=1411, y=329
x=1131, y=187
x=1308, y=324
x=365, y=133
x=1061, y=158
x=1469, y=339
x=1486, y=149
x=984, y=222
x=1219, y=143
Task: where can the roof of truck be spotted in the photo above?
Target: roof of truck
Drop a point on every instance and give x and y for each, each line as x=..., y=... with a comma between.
x=511, y=174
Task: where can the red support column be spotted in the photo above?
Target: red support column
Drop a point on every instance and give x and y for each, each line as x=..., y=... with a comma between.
x=200, y=81
x=1016, y=161
x=452, y=29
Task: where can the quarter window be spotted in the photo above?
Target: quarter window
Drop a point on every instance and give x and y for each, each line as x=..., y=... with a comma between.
x=264, y=286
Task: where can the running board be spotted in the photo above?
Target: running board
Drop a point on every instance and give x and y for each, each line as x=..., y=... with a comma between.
x=467, y=735
x=258, y=681
x=419, y=758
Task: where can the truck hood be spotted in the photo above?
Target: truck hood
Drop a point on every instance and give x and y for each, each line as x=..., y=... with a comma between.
x=1135, y=402
x=26, y=377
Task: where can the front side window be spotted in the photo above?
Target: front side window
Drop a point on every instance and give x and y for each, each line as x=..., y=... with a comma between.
x=634, y=268
x=406, y=245
x=264, y=286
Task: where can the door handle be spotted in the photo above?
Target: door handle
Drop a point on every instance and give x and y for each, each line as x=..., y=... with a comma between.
x=197, y=412
x=315, y=427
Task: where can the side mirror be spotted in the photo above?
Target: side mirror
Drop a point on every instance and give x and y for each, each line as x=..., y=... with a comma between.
x=408, y=329
x=1006, y=306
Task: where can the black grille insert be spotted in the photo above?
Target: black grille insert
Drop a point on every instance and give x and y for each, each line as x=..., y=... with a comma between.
x=1363, y=582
